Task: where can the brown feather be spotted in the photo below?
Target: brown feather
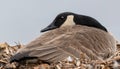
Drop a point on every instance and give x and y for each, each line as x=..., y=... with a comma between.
x=57, y=44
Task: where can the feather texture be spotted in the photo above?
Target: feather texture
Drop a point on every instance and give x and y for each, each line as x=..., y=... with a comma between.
x=58, y=44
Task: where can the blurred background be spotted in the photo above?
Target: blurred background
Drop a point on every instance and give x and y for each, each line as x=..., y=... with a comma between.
x=22, y=20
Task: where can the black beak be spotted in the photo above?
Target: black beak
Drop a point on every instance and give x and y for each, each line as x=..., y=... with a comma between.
x=50, y=27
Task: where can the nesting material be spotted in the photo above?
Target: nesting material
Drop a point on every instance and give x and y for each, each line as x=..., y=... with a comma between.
x=6, y=51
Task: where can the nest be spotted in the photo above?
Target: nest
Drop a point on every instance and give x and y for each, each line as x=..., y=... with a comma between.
x=6, y=51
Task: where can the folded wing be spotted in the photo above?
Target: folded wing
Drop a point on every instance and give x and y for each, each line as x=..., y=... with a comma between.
x=96, y=44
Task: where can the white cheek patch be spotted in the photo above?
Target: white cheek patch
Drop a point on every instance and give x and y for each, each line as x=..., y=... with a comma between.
x=69, y=21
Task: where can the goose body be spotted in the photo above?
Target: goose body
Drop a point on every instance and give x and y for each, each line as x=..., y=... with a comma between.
x=69, y=40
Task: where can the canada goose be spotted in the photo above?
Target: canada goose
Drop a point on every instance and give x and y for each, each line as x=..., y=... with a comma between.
x=69, y=35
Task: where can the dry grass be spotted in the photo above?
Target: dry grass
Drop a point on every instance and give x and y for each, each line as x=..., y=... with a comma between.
x=7, y=51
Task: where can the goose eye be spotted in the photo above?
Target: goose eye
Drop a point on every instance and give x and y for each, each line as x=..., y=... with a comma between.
x=62, y=17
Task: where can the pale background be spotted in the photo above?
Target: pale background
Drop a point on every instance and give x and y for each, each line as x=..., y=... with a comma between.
x=22, y=20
